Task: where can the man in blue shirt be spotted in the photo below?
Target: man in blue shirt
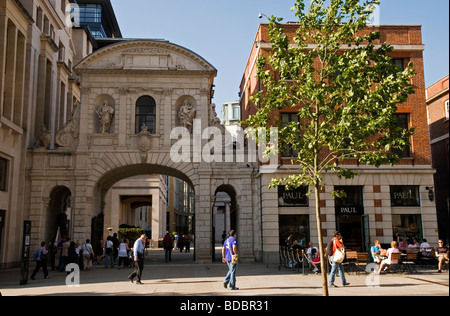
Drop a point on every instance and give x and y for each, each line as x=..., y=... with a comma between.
x=229, y=249
x=375, y=251
x=138, y=254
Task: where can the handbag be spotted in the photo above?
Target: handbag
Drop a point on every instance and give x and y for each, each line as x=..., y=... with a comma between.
x=339, y=255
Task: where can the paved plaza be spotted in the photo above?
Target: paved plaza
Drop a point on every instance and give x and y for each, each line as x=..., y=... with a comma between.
x=183, y=277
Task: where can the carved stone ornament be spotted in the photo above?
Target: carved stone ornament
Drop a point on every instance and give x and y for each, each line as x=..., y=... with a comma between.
x=68, y=135
x=44, y=139
x=144, y=142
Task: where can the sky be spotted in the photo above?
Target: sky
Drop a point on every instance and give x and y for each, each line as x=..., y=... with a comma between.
x=223, y=31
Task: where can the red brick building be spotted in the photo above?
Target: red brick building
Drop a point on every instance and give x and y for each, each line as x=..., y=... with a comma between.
x=438, y=117
x=378, y=213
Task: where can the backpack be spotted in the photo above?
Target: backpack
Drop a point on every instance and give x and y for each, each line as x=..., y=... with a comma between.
x=36, y=255
x=330, y=248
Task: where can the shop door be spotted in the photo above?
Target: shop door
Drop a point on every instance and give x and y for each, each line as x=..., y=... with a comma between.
x=350, y=227
x=366, y=233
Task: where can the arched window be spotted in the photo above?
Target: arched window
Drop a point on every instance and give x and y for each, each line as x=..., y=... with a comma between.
x=146, y=114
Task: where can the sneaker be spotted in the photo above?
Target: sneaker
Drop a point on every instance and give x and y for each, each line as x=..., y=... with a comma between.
x=225, y=285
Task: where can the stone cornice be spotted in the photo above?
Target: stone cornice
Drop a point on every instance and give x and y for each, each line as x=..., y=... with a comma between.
x=143, y=47
x=146, y=72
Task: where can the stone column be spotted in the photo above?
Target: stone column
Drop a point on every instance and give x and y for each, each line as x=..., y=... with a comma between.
x=155, y=217
x=203, y=217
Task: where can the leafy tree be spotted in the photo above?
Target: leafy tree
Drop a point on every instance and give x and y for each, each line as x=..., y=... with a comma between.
x=344, y=89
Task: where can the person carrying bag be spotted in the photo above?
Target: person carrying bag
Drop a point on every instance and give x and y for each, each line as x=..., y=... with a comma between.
x=230, y=257
x=336, y=260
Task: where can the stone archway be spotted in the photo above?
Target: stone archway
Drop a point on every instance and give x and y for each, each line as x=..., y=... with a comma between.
x=58, y=214
x=117, y=76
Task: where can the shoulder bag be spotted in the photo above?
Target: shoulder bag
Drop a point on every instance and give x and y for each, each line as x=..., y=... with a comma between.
x=339, y=255
x=234, y=257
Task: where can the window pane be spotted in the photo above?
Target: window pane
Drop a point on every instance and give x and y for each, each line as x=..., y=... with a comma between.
x=3, y=174
x=146, y=114
x=294, y=227
x=287, y=118
x=407, y=227
x=405, y=195
x=403, y=122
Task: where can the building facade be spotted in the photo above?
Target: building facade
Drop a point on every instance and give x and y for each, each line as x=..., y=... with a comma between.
x=39, y=94
x=382, y=203
x=86, y=122
x=82, y=113
x=438, y=118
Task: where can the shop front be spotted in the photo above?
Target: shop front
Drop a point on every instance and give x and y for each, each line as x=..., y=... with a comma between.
x=351, y=220
x=293, y=225
x=406, y=217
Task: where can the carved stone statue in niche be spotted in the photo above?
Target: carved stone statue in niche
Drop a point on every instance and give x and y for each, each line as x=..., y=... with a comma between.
x=67, y=136
x=44, y=139
x=105, y=114
x=186, y=115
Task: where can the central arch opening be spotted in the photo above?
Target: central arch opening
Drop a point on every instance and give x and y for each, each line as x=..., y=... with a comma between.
x=150, y=198
x=224, y=218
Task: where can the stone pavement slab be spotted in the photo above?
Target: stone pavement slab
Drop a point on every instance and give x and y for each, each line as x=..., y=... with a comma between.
x=182, y=277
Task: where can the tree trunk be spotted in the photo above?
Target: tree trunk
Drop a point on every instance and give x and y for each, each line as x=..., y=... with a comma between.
x=323, y=262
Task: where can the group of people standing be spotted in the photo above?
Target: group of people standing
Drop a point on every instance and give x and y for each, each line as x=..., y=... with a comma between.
x=174, y=241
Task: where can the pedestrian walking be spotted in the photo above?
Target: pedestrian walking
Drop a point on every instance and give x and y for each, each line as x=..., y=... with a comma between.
x=116, y=245
x=138, y=255
x=336, y=244
x=88, y=255
x=123, y=253
x=229, y=256
x=41, y=261
x=109, y=253
x=187, y=243
x=168, y=246
x=64, y=255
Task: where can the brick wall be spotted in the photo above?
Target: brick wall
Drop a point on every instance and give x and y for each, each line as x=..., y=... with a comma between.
x=403, y=38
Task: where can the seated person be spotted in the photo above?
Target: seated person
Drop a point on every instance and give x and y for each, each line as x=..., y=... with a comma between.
x=375, y=251
x=296, y=246
x=424, y=245
x=442, y=254
x=389, y=261
x=312, y=251
x=414, y=244
x=403, y=244
x=315, y=262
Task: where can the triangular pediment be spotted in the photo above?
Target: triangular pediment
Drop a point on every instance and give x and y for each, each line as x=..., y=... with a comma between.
x=144, y=55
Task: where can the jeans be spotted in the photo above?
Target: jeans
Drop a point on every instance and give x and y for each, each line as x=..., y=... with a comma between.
x=109, y=256
x=168, y=252
x=231, y=276
x=339, y=267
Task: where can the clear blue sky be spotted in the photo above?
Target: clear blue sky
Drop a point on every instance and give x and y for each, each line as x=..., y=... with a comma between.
x=222, y=31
